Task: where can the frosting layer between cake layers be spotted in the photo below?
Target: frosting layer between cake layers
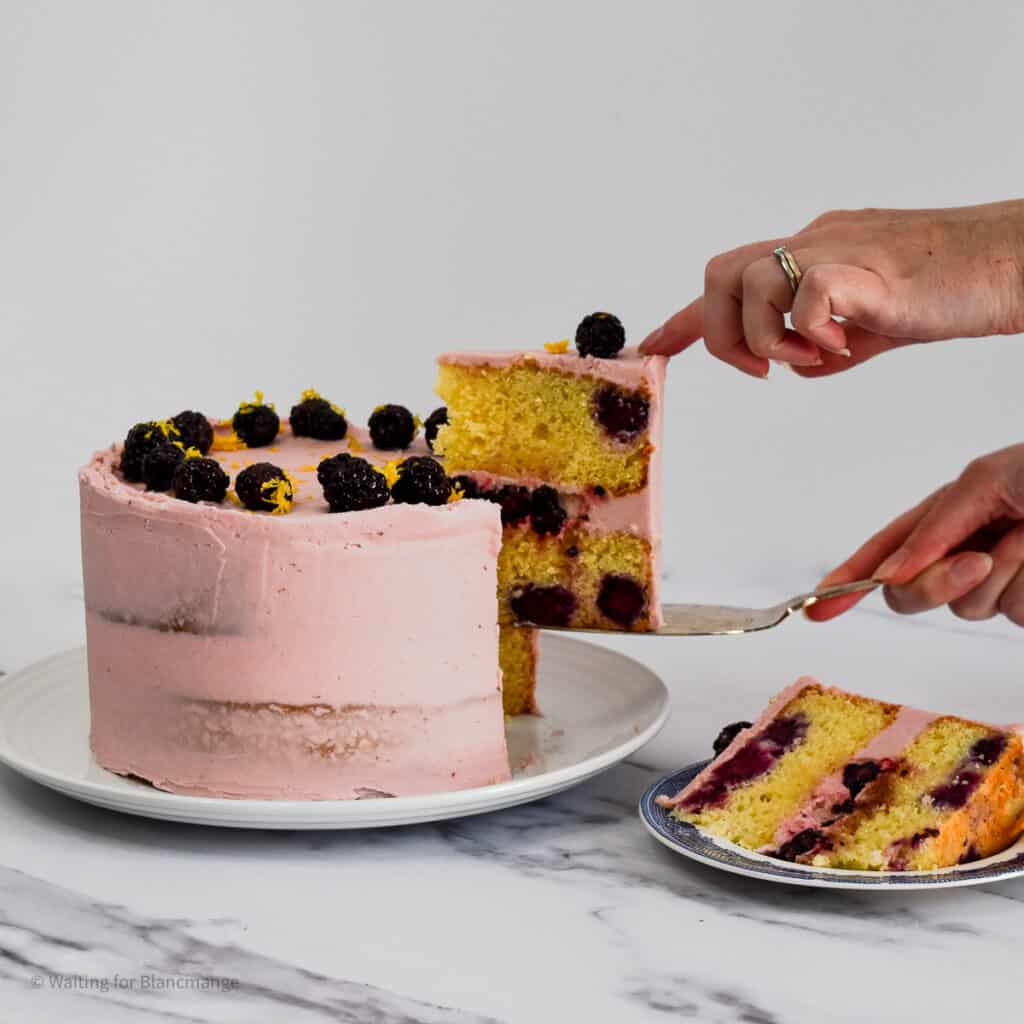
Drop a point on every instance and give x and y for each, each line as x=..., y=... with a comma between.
x=307, y=656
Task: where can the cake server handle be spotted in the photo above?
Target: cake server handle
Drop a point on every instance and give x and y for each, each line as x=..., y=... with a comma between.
x=722, y=620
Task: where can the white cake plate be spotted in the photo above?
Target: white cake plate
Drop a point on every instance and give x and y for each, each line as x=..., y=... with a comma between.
x=599, y=707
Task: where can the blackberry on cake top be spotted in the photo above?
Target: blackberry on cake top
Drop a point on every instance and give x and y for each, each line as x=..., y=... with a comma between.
x=421, y=481
x=316, y=417
x=195, y=430
x=159, y=464
x=256, y=423
x=264, y=487
x=601, y=335
x=141, y=440
x=392, y=427
x=199, y=479
x=352, y=484
x=437, y=419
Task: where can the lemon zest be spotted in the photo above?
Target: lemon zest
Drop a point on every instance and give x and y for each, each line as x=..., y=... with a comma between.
x=281, y=491
x=457, y=494
x=389, y=471
x=230, y=442
x=354, y=445
x=557, y=347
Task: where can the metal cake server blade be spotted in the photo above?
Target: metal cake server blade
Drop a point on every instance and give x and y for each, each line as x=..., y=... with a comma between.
x=721, y=620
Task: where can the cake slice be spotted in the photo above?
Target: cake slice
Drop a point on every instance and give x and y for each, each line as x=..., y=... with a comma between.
x=569, y=444
x=833, y=779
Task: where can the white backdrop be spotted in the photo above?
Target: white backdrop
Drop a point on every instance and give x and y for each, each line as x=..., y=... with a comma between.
x=198, y=199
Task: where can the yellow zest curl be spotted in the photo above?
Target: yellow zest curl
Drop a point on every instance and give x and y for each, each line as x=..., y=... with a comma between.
x=457, y=494
x=557, y=347
x=229, y=442
x=390, y=471
x=258, y=400
x=281, y=491
x=354, y=445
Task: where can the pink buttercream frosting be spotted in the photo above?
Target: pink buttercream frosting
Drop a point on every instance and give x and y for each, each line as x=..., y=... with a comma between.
x=225, y=645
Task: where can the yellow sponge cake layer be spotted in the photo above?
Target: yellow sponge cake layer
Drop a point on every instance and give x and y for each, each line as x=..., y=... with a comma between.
x=575, y=423
x=746, y=794
x=517, y=653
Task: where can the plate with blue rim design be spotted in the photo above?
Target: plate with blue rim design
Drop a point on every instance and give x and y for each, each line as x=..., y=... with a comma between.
x=692, y=842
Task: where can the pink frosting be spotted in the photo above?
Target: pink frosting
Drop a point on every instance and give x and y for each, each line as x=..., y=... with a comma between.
x=389, y=613
x=638, y=513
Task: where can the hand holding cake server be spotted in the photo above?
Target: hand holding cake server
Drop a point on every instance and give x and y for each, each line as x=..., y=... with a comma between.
x=894, y=278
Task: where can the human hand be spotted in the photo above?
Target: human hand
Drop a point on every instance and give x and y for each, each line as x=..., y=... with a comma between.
x=898, y=277
x=962, y=546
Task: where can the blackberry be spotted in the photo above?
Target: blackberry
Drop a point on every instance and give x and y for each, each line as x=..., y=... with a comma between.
x=543, y=605
x=392, y=427
x=351, y=484
x=256, y=423
x=546, y=512
x=195, y=430
x=469, y=487
x=421, y=481
x=858, y=774
x=141, y=440
x=438, y=418
x=327, y=467
x=727, y=735
x=622, y=414
x=621, y=599
x=801, y=843
x=601, y=335
x=264, y=487
x=514, y=501
x=159, y=464
x=315, y=417
x=200, y=480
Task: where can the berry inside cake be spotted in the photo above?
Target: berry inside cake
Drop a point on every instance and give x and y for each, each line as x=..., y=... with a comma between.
x=832, y=779
x=568, y=444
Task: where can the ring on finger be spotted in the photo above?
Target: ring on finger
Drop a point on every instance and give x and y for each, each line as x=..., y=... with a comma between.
x=790, y=267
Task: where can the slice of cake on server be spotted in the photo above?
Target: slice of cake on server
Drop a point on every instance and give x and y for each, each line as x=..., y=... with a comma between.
x=569, y=444
x=833, y=779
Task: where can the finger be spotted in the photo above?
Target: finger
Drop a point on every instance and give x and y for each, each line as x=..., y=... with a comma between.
x=723, y=332
x=1012, y=602
x=677, y=333
x=828, y=290
x=863, y=345
x=965, y=506
x=864, y=561
x=939, y=584
x=767, y=297
x=1007, y=558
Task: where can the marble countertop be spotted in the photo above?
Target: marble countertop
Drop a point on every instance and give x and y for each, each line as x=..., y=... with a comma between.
x=564, y=910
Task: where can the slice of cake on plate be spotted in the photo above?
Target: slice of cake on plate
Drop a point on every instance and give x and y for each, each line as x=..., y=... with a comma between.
x=832, y=779
x=568, y=443
x=290, y=610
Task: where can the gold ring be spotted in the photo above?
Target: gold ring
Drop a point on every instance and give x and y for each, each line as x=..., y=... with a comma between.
x=790, y=267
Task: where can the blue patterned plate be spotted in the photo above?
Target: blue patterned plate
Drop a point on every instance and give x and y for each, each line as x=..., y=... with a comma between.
x=692, y=842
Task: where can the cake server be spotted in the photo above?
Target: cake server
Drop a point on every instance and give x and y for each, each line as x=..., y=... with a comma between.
x=720, y=620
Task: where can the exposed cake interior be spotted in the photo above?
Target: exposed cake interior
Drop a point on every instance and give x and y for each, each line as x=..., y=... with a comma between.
x=569, y=446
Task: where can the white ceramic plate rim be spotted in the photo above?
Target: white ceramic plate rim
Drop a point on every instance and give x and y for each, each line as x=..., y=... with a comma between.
x=331, y=814
x=767, y=869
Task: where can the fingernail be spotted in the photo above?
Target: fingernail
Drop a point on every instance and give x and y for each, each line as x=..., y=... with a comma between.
x=969, y=568
x=843, y=352
x=892, y=564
